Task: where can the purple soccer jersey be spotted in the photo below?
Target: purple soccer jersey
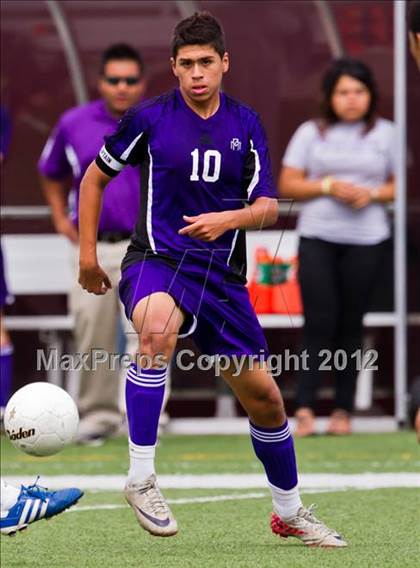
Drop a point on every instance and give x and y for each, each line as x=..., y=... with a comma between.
x=190, y=165
x=72, y=147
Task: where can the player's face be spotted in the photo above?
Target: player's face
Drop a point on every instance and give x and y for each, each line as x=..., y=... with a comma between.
x=350, y=99
x=121, y=85
x=414, y=41
x=199, y=69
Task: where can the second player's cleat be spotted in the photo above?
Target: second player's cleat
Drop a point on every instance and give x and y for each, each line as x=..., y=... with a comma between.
x=306, y=527
x=150, y=507
x=35, y=503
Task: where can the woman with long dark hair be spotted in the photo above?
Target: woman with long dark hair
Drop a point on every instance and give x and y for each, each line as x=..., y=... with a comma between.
x=341, y=167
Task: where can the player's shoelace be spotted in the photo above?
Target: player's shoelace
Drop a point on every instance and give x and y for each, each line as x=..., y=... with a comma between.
x=157, y=502
x=305, y=516
x=308, y=515
x=155, y=498
x=36, y=491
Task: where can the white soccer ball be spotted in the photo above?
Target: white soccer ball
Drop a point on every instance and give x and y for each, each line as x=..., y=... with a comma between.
x=40, y=419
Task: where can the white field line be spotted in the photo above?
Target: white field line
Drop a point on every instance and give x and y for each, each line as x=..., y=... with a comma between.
x=215, y=426
x=192, y=500
x=307, y=481
x=186, y=501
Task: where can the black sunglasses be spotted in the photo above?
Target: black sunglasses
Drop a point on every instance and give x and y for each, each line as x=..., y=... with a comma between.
x=116, y=80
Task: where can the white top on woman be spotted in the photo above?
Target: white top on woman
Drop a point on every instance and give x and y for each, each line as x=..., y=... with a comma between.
x=346, y=152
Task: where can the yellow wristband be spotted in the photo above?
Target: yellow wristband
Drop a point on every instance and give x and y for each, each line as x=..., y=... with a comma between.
x=326, y=184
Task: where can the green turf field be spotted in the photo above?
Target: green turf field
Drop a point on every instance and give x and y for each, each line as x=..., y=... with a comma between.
x=381, y=525
x=227, y=454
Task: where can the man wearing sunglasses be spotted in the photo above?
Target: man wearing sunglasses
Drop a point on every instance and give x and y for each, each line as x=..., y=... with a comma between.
x=72, y=146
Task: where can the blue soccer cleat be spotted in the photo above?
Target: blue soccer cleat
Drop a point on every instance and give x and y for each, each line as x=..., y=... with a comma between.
x=35, y=503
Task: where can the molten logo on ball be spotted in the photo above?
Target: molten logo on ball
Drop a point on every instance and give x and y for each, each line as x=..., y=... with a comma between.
x=21, y=434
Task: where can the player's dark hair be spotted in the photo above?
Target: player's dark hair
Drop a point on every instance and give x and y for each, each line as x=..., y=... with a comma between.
x=353, y=68
x=199, y=29
x=413, y=17
x=121, y=52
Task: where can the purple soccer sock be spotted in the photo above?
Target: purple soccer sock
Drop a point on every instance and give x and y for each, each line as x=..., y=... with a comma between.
x=6, y=359
x=274, y=448
x=144, y=396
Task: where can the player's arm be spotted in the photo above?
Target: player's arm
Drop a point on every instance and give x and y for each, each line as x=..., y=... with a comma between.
x=209, y=226
x=91, y=276
x=126, y=146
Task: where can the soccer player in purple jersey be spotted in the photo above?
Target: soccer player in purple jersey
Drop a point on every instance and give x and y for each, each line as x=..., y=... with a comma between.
x=203, y=157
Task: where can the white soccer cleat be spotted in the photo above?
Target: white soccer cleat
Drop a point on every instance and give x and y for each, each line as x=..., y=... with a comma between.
x=306, y=527
x=150, y=507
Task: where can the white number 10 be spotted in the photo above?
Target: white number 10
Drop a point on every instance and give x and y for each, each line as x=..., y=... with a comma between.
x=217, y=160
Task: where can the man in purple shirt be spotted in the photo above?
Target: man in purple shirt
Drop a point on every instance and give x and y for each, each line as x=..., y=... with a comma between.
x=206, y=177
x=70, y=149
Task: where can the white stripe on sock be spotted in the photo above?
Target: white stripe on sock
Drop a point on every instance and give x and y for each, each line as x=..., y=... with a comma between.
x=263, y=435
x=142, y=384
x=258, y=435
x=147, y=372
x=146, y=379
x=271, y=440
x=285, y=428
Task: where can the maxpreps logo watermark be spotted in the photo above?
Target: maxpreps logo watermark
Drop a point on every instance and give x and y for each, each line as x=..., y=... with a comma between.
x=187, y=360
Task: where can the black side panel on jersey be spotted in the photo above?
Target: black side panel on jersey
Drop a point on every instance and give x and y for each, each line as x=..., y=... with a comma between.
x=141, y=237
x=237, y=261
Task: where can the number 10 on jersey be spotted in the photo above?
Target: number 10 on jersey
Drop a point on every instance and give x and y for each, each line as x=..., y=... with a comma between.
x=211, y=165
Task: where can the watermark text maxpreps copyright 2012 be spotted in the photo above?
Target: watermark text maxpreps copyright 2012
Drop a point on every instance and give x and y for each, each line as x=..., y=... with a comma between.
x=186, y=360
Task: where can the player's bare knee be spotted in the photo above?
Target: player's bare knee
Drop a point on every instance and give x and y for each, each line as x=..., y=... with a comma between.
x=269, y=408
x=157, y=344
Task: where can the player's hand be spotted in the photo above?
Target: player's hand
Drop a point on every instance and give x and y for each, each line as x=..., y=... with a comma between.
x=65, y=227
x=93, y=279
x=207, y=226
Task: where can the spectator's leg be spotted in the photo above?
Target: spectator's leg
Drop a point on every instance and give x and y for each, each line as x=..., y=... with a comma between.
x=96, y=329
x=358, y=268
x=318, y=281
